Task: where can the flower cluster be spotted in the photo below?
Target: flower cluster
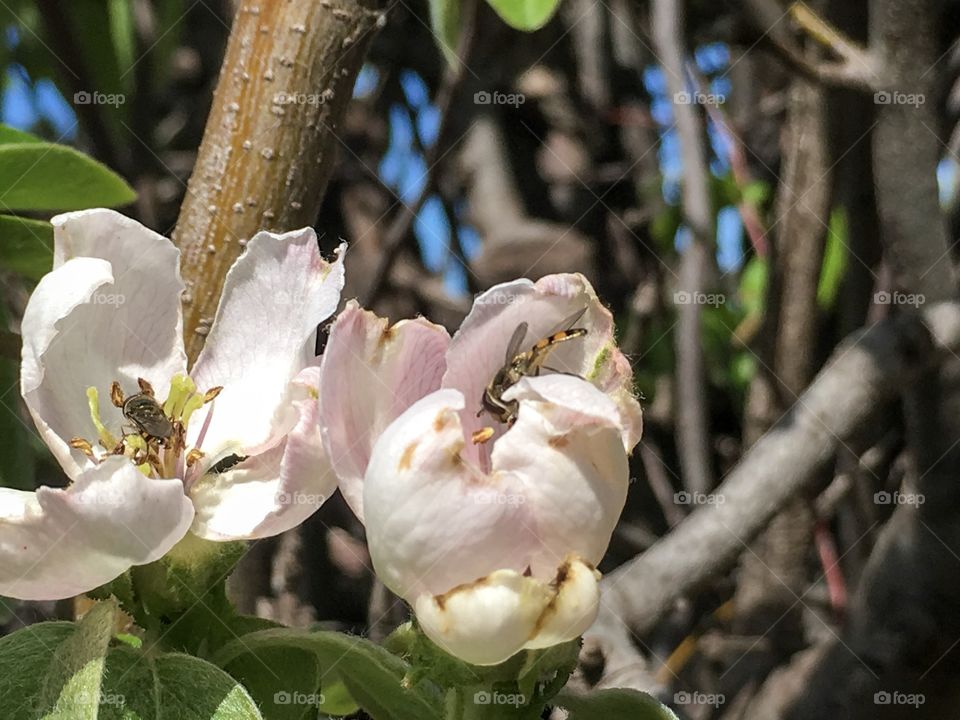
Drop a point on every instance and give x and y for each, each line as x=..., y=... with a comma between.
x=489, y=468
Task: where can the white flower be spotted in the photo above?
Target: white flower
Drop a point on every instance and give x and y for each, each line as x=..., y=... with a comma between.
x=106, y=322
x=491, y=530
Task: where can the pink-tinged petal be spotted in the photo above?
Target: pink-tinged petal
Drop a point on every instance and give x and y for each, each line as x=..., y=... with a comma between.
x=566, y=452
x=110, y=310
x=263, y=335
x=479, y=347
x=490, y=619
x=370, y=373
x=59, y=543
x=434, y=520
x=275, y=491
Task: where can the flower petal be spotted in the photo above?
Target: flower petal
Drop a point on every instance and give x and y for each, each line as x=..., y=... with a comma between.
x=489, y=620
x=263, y=335
x=478, y=349
x=370, y=374
x=565, y=453
x=59, y=543
x=110, y=310
x=433, y=520
x=270, y=493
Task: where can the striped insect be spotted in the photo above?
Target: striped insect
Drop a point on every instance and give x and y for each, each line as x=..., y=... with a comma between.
x=519, y=364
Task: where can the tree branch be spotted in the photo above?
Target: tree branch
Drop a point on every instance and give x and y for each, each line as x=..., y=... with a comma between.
x=869, y=368
x=270, y=140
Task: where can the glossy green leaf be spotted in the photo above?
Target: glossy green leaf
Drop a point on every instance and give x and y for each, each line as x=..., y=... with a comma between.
x=525, y=14
x=12, y=135
x=616, y=704
x=46, y=176
x=26, y=246
x=373, y=677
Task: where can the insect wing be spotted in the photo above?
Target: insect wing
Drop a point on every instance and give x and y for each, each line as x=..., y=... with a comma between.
x=516, y=341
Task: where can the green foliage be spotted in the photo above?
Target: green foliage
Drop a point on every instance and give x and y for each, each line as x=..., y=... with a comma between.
x=351, y=670
x=46, y=176
x=834, y=259
x=67, y=671
x=26, y=246
x=525, y=14
x=614, y=704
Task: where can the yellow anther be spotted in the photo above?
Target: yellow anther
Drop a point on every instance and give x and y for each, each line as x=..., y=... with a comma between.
x=93, y=400
x=83, y=446
x=482, y=435
x=212, y=393
x=182, y=389
x=193, y=456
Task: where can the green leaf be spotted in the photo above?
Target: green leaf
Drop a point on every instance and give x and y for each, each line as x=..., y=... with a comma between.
x=68, y=671
x=72, y=683
x=525, y=14
x=445, y=19
x=25, y=657
x=46, y=176
x=834, y=259
x=616, y=704
x=26, y=246
x=373, y=677
x=12, y=135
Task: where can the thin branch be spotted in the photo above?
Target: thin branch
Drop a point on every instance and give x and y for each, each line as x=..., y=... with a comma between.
x=693, y=432
x=858, y=68
x=399, y=229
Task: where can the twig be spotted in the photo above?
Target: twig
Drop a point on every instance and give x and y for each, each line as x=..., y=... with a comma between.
x=693, y=433
x=399, y=229
x=858, y=68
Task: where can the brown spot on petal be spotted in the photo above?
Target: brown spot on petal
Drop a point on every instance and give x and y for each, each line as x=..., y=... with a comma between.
x=556, y=587
x=386, y=336
x=441, y=600
x=559, y=441
x=440, y=422
x=407, y=458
